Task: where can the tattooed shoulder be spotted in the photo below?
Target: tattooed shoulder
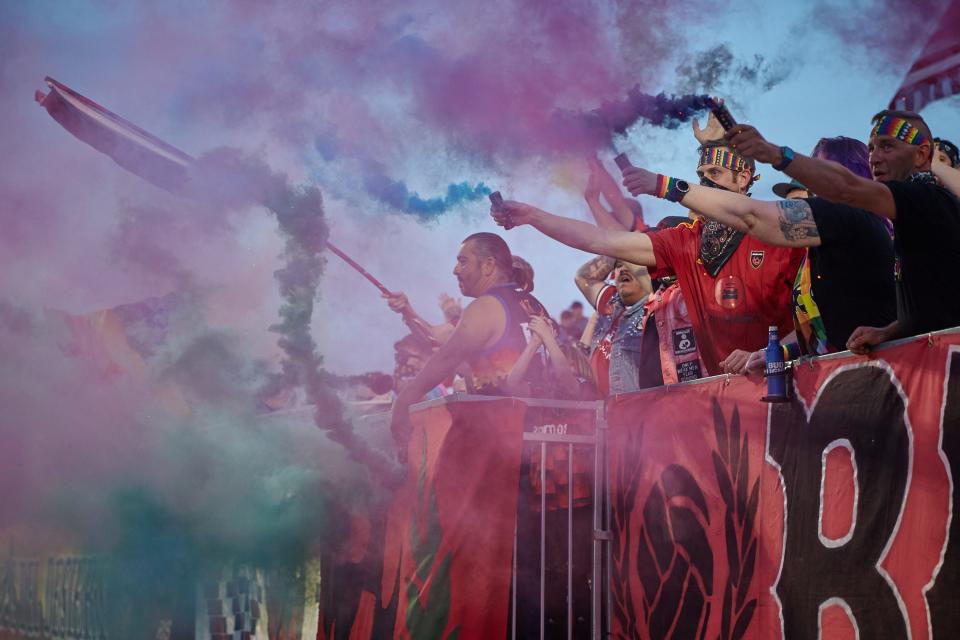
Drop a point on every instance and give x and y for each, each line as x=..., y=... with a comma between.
x=796, y=220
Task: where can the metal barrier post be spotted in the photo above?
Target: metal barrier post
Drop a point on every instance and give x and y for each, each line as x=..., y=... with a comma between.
x=513, y=588
x=570, y=541
x=600, y=517
x=543, y=537
x=607, y=519
x=596, y=606
x=600, y=613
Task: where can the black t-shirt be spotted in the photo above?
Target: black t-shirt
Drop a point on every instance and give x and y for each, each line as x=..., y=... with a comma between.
x=927, y=245
x=851, y=272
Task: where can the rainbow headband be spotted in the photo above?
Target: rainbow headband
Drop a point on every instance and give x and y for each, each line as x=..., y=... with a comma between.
x=898, y=128
x=722, y=158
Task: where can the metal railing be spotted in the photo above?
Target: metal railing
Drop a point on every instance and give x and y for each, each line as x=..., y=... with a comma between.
x=545, y=442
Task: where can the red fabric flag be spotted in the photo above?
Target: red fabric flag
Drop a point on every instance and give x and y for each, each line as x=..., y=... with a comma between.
x=936, y=72
x=452, y=526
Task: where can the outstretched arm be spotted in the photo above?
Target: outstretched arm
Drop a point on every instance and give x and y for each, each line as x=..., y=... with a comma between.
x=435, y=334
x=586, y=338
x=785, y=223
x=625, y=245
x=829, y=180
x=473, y=331
x=622, y=213
x=605, y=219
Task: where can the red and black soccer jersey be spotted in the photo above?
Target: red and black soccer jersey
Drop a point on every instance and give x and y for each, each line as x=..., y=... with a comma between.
x=733, y=309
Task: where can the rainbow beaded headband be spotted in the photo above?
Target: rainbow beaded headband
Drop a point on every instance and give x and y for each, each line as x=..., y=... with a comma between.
x=722, y=158
x=898, y=128
x=725, y=158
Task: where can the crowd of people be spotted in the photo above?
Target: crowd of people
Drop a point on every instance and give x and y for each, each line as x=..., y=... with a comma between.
x=858, y=251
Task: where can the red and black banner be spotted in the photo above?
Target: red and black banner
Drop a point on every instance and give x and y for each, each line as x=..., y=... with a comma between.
x=826, y=517
x=829, y=516
x=449, y=546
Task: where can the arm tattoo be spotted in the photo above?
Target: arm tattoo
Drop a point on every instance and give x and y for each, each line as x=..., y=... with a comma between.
x=796, y=220
x=596, y=270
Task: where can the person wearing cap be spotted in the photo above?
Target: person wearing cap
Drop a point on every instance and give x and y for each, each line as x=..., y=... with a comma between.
x=735, y=286
x=846, y=277
x=790, y=190
x=946, y=152
x=946, y=166
x=925, y=215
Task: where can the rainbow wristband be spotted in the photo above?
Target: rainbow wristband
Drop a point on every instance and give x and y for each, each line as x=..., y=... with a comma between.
x=664, y=186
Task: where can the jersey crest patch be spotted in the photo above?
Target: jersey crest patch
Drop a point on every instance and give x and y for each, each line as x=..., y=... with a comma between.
x=756, y=259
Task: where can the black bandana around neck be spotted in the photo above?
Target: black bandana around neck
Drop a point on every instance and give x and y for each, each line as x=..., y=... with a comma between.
x=717, y=240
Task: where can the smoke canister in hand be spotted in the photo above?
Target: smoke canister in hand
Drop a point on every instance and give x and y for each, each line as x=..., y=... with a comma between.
x=497, y=201
x=622, y=161
x=721, y=113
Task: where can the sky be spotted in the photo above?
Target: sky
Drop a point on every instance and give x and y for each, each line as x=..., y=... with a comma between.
x=373, y=103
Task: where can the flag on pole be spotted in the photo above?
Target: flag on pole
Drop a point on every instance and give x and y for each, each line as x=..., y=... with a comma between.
x=936, y=72
x=131, y=147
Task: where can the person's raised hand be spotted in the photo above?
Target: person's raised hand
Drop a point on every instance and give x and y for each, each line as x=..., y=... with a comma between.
x=605, y=181
x=451, y=307
x=535, y=341
x=511, y=214
x=591, y=192
x=747, y=141
x=713, y=130
x=640, y=181
x=736, y=362
x=541, y=328
x=397, y=301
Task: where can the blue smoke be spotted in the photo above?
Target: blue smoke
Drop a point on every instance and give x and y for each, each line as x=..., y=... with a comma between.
x=397, y=195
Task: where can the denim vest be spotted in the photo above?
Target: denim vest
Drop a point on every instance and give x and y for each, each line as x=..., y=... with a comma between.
x=625, y=351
